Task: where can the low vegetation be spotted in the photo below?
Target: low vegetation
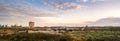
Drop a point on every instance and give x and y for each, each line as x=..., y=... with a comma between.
x=69, y=36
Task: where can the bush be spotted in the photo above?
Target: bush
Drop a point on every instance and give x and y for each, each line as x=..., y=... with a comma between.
x=38, y=37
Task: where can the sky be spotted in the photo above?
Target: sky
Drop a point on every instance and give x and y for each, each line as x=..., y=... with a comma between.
x=56, y=12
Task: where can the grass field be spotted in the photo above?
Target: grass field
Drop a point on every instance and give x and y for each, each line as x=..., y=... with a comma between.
x=68, y=36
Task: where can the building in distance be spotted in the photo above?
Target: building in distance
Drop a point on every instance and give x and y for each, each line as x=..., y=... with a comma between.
x=31, y=24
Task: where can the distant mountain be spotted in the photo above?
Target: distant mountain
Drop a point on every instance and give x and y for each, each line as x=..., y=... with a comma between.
x=105, y=22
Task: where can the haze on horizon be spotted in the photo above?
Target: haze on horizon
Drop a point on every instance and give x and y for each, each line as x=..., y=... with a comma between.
x=60, y=12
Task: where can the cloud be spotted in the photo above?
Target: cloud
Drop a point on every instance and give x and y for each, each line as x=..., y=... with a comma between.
x=84, y=0
x=20, y=12
x=21, y=9
x=57, y=5
x=89, y=0
x=111, y=21
x=67, y=6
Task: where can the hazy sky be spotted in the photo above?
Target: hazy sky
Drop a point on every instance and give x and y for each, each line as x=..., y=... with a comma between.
x=56, y=12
